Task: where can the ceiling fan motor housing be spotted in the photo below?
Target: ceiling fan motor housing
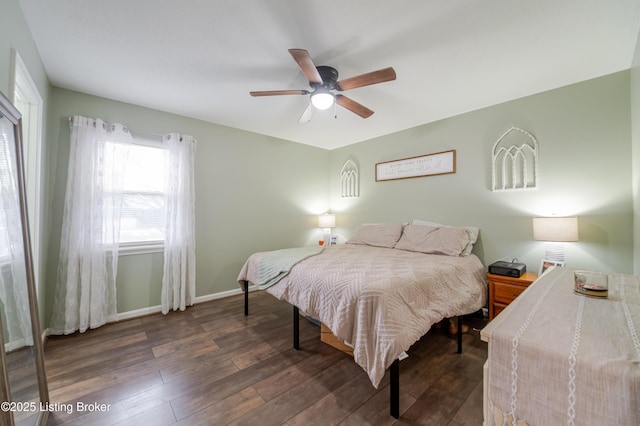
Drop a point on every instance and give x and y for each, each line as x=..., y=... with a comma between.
x=329, y=77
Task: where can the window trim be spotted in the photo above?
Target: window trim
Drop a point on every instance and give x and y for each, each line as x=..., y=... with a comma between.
x=22, y=89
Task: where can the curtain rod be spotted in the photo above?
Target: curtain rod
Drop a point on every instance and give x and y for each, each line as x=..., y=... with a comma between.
x=140, y=132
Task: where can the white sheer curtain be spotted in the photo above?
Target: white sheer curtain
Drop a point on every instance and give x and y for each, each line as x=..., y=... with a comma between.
x=86, y=288
x=14, y=298
x=179, y=277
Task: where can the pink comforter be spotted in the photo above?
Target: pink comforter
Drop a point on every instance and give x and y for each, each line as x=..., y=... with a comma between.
x=379, y=300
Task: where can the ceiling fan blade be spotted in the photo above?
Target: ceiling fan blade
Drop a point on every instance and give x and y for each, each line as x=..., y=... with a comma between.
x=307, y=66
x=279, y=92
x=380, y=76
x=307, y=115
x=353, y=106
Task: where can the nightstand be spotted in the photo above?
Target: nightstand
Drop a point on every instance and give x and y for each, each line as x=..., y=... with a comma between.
x=503, y=289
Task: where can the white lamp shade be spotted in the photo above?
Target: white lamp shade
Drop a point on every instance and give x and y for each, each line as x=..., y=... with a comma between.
x=327, y=221
x=555, y=228
x=322, y=100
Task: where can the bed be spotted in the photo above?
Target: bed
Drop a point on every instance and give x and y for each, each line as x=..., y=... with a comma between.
x=380, y=292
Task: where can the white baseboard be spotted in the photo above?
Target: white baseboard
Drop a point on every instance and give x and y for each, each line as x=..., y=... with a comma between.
x=155, y=309
x=222, y=294
x=138, y=313
x=200, y=299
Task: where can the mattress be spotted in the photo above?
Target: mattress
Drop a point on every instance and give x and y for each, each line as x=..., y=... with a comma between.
x=379, y=300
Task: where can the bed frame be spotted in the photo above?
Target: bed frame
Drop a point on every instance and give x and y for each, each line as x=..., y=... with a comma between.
x=394, y=369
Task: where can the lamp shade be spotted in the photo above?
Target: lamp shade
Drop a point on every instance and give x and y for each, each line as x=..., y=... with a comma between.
x=327, y=221
x=555, y=228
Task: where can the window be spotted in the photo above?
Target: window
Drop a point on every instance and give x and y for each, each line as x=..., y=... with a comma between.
x=143, y=204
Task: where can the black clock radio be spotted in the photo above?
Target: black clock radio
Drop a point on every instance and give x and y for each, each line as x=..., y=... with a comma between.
x=509, y=269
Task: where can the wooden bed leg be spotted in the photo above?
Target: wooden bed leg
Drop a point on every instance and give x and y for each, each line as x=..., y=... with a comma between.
x=394, y=389
x=296, y=328
x=246, y=298
x=459, y=334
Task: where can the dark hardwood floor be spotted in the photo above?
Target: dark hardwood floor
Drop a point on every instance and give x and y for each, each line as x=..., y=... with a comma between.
x=211, y=365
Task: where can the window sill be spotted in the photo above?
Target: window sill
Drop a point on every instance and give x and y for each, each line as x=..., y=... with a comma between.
x=129, y=249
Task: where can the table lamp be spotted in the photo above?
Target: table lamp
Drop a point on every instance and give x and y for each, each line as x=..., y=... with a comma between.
x=326, y=222
x=554, y=231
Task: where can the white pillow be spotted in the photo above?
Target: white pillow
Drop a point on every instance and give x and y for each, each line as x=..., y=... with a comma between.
x=447, y=240
x=472, y=232
x=377, y=234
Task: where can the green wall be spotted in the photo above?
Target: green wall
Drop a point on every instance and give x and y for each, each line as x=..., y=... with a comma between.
x=583, y=132
x=16, y=37
x=253, y=193
x=15, y=34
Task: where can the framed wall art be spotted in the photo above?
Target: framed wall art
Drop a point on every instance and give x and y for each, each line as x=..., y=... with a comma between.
x=439, y=163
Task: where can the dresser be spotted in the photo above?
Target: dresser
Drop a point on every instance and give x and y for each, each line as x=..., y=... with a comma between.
x=560, y=358
x=503, y=290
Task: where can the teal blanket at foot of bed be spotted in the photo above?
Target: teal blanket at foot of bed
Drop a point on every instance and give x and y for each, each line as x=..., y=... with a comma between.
x=276, y=264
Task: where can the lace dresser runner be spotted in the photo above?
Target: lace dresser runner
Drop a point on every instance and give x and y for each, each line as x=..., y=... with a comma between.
x=559, y=358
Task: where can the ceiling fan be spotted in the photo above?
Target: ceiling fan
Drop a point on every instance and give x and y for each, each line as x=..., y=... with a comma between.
x=324, y=81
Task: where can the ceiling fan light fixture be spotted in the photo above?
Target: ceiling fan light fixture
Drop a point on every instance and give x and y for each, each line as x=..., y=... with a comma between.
x=322, y=100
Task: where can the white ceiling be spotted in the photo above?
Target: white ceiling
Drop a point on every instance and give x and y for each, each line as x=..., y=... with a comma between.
x=200, y=58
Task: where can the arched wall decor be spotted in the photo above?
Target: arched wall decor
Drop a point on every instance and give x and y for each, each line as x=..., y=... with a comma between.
x=349, y=180
x=514, y=161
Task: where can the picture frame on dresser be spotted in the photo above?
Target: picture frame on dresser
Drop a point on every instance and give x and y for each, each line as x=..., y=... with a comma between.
x=546, y=264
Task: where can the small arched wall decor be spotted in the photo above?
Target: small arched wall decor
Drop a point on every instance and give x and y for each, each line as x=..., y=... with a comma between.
x=514, y=161
x=349, y=180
